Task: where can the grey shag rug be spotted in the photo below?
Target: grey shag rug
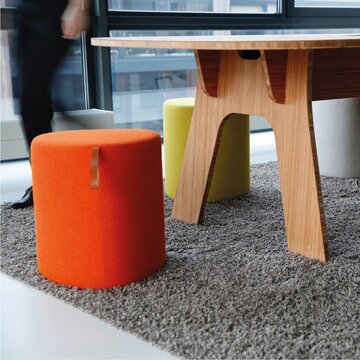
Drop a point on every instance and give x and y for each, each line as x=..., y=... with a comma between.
x=230, y=289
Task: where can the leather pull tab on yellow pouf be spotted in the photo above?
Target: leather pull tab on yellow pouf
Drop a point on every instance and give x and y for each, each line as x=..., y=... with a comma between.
x=231, y=177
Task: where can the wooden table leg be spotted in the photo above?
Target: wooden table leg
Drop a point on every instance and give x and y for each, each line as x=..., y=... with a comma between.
x=243, y=87
x=199, y=160
x=297, y=159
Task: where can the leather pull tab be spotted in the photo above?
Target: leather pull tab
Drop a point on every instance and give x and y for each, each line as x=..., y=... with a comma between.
x=94, y=168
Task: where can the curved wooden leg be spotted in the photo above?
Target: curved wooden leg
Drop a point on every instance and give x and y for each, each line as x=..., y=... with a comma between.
x=199, y=160
x=298, y=166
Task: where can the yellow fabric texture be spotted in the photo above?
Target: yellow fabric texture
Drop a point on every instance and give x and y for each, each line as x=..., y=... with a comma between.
x=231, y=177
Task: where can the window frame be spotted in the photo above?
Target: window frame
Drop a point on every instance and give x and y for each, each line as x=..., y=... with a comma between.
x=96, y=61
x=103, y=21
x=290, y=17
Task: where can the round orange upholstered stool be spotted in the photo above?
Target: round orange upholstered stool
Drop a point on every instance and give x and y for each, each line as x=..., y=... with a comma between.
x=99, y=210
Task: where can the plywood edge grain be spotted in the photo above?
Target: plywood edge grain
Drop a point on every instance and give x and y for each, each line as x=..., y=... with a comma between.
x=234, y=42
x=208, y=64
x=275, y=65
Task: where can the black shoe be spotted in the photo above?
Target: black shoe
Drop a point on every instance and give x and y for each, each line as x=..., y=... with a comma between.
x=25, y=201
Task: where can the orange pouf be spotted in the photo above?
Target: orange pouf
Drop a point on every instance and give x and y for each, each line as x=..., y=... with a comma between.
x=99, y=210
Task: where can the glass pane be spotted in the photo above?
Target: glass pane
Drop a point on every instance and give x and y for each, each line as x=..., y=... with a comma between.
x=6, y=95
x=217, y=6
x=68, y=89
x=142, y=79
x=9, y=3
x=328, y=3
x=68, y=85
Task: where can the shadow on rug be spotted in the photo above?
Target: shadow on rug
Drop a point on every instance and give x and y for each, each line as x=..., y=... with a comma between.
x=229, y=289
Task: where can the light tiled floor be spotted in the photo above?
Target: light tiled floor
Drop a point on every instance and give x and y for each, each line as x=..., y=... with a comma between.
x=35, y=325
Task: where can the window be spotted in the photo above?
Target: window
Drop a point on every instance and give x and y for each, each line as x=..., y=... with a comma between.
x=138, y=81
x=333, y=10
x=7, y=98
x=328, y=3
x=68, y=86
x=217, y=6
x=142, y=79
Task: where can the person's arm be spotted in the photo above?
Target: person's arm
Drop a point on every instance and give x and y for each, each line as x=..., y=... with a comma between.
x=75, y=18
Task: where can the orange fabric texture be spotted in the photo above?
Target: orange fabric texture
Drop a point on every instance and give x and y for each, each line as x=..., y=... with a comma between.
x=100, y=237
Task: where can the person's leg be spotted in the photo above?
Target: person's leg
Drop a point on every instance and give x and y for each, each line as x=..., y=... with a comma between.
x=43, y=49
x=40, y=49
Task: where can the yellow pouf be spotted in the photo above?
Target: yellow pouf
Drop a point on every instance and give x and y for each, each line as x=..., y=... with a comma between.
x=231, y=176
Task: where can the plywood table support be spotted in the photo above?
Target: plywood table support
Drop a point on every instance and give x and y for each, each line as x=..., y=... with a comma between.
x=277, y=88
x=277, y=77
x=297, y=159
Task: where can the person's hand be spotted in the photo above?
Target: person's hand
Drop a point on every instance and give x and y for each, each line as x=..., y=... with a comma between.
x=74, y=20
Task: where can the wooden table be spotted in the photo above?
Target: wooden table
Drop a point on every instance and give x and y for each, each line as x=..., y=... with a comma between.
x=277, y=77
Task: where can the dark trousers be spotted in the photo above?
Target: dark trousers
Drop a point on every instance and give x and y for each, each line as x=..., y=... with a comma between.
x=40, y=50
